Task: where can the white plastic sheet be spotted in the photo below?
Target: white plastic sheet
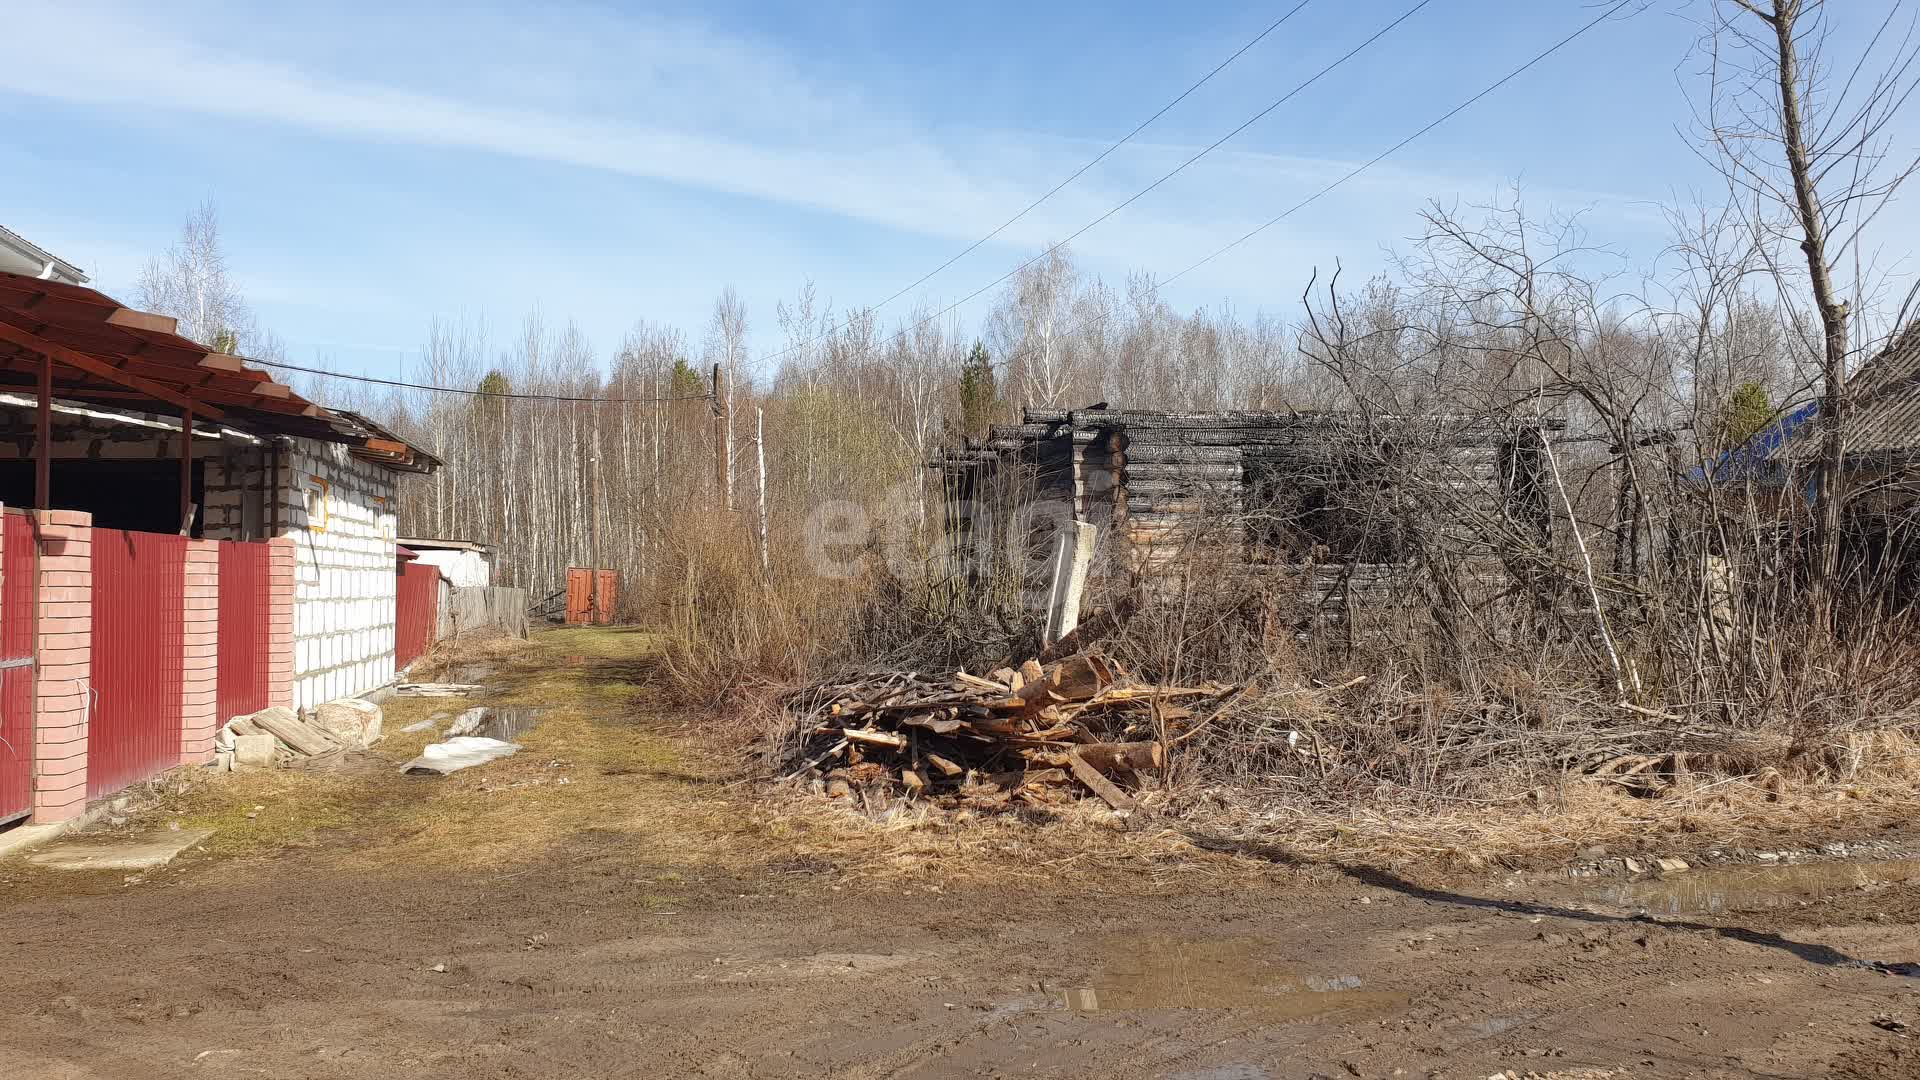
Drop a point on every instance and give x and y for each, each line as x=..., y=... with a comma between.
x=461, y=752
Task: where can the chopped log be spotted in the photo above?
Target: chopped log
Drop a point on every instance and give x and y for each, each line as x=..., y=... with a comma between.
x=838, y=788
x=1127, y=756
x=1003, y=676
x=1098, y=784
x=1080, y=678
x=913, y=780
x=1032, y=672
x=946, y=767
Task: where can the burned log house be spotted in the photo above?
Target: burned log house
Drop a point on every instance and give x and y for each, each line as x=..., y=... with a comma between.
x=1355, y=505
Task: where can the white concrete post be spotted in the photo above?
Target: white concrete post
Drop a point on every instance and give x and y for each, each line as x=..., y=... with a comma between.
x=1073, y=554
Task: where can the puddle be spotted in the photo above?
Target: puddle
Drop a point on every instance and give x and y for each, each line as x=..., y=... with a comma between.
x=1177, y=974
x=1754, y=888
x=503, y=722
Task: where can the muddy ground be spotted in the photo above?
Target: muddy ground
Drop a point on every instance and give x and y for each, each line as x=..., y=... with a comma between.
x=651, y=916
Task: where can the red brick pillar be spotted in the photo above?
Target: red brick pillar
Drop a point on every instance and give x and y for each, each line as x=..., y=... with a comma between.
x=200, y=670
x=63, y=655
x=280, y=625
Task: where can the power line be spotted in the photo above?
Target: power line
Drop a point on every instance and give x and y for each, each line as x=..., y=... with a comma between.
x=1370, y=163
x=1396, y=147
x=1136, y=196
x=477, y=393
x=1077, y=173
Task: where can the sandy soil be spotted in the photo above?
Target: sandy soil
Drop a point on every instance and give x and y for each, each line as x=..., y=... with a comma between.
x=622, y=946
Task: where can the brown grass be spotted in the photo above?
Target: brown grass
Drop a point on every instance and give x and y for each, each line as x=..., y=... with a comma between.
x=609, y=775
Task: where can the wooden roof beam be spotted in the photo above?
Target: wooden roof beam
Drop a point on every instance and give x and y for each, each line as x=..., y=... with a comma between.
x=94, y=366
x=143, y=320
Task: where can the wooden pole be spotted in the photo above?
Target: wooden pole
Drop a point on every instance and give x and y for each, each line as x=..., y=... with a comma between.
x=186, y=472
x=594, y=494
x=43, y=438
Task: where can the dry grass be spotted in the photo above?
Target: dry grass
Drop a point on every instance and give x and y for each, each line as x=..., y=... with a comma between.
x=607, y=776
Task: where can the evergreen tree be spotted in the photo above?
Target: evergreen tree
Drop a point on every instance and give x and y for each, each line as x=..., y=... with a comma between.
x=979, y=397
x=685, y=382
x=1745, y=414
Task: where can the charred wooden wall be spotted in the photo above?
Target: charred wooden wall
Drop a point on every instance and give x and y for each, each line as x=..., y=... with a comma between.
x=1331, y=495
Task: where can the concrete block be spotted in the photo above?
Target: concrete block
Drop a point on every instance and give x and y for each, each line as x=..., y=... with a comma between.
x=254, y=751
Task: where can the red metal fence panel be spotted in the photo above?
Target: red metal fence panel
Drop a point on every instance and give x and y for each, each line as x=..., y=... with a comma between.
x=579, y=596
x=139, y=647
x=246, y=611
x=416, y=611
x=18, y=596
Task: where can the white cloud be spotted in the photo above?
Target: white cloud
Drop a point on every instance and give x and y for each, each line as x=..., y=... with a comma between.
x=720, y=115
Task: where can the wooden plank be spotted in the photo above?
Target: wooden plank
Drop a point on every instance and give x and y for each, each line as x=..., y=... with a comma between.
x=143, y=320
x=875, y=738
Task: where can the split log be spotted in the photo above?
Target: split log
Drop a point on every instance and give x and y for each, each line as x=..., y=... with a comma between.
x=1128, y=756
x=1080, y=678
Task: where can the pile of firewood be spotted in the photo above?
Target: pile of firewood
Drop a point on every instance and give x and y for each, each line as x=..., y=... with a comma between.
x=1031, y=735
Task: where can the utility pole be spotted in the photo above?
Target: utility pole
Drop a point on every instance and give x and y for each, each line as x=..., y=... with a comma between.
x=594, y=494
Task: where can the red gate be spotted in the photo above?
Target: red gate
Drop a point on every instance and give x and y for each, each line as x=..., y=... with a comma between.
x=416, y=611
x=18, y=595
x=246, y=608
x=606, y=590
x=579, y=596
x=139, y=586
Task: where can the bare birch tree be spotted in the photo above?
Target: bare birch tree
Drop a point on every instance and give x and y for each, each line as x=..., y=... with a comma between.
x=1805, y=137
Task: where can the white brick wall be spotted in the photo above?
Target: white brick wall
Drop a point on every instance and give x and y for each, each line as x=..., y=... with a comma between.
x=339, y=512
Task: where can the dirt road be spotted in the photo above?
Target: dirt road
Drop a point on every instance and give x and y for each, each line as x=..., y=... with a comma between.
x=648, y=919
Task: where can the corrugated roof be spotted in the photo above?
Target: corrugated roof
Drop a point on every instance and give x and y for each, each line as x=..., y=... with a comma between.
x=1884, y=421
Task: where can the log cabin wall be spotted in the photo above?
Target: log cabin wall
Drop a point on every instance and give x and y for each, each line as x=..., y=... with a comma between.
x=1328, y=496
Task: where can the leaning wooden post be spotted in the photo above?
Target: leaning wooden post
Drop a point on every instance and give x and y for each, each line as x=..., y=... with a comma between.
x=1073, y=554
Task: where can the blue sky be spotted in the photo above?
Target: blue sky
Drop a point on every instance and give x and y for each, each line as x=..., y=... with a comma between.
x=377, y=165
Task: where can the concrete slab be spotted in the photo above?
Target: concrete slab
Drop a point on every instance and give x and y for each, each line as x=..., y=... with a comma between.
x=21, y=837
x=155, y=849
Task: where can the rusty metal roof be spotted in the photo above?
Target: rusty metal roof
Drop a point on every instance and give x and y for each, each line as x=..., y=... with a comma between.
x=106, y=353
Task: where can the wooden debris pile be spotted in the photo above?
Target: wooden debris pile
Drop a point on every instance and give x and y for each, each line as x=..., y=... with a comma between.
x=1033, y=735
x=296, y=743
